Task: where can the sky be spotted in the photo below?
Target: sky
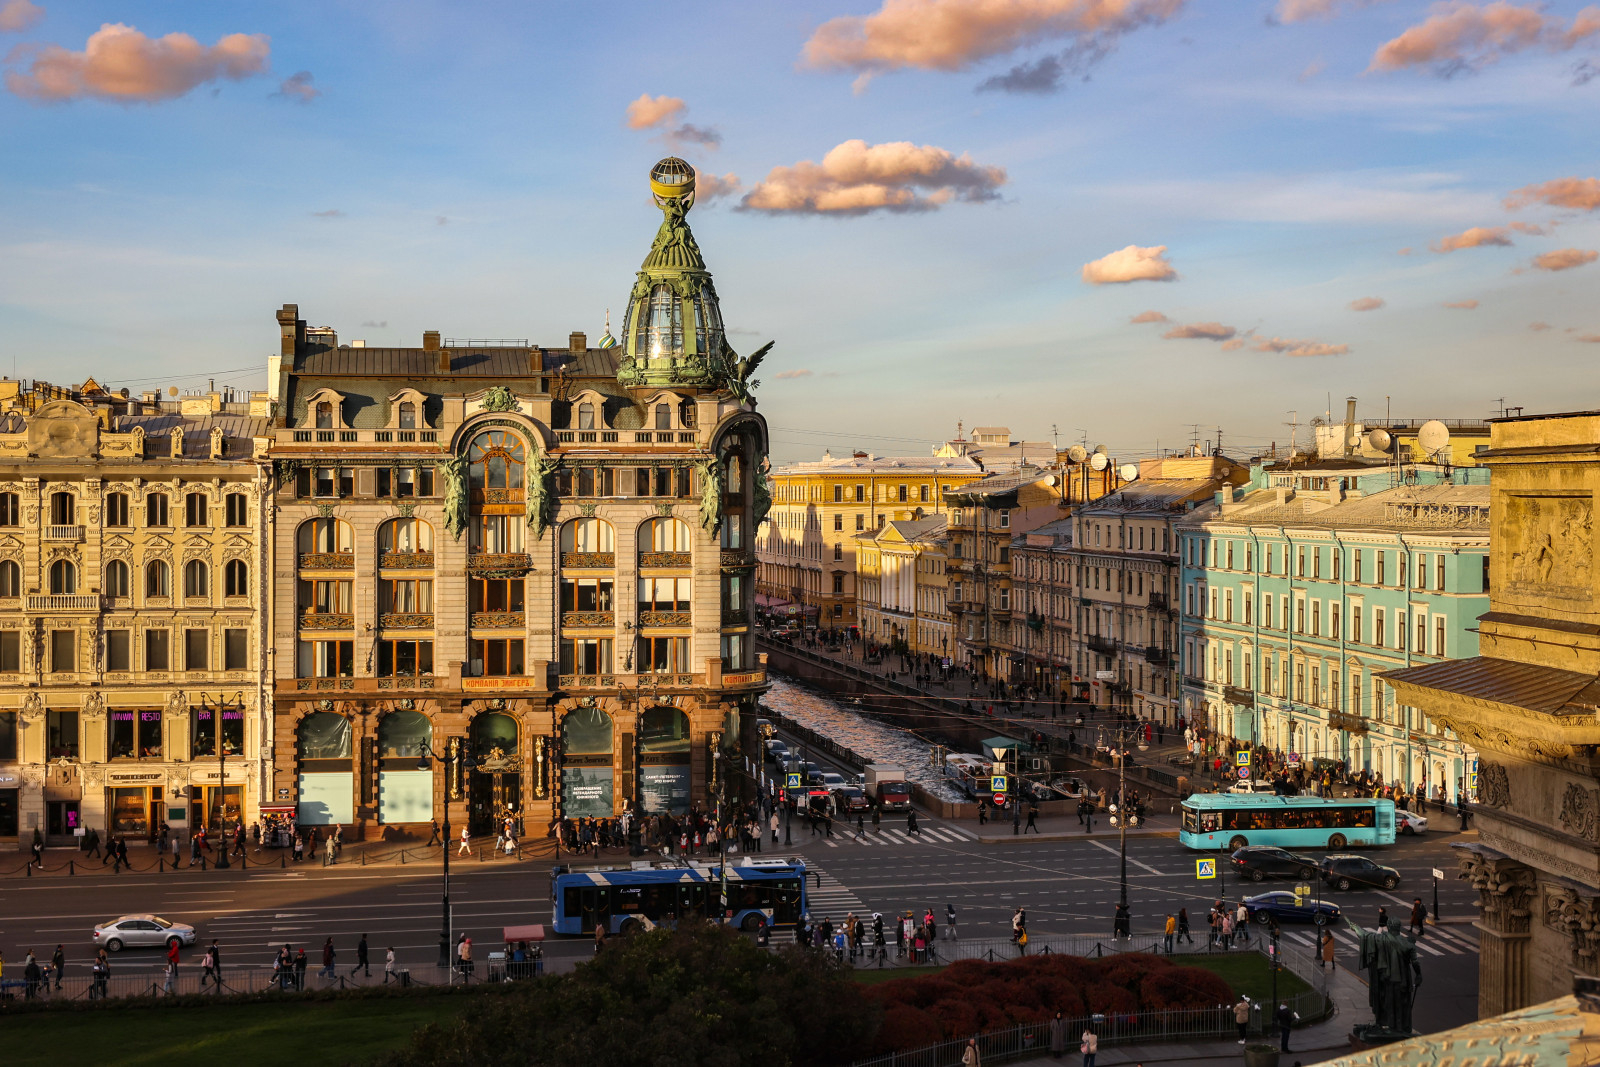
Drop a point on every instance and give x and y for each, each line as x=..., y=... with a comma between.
x=1131, y=222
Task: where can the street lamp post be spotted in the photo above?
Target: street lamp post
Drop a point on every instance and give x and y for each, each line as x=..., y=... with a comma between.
x=1126, y=816
x=218, y=709
x=424, y=751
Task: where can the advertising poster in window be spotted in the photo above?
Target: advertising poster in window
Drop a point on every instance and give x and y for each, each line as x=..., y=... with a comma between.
x=664, y=790
x=586, y=792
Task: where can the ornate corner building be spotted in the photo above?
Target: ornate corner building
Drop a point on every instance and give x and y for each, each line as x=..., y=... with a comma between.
x=132, y=572
x=1529, y=703
x=515, y=578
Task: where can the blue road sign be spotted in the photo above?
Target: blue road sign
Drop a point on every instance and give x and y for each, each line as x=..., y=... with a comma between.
x=997, y=783
x=1204, y=869
x=794, y=780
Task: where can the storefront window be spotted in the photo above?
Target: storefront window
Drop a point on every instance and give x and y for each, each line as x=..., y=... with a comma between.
x=491, y=731
x=403, y=733
x=587, y=731
x=664, y=730
x=8, y=813
x=324, y=735
x=130, y=812
x=204, y=721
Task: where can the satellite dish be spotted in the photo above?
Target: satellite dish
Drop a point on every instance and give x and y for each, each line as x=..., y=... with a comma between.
x=1129, y=472
x=1050, y=480
x=1432, y=437
x=1099, y=461
x=172, y=390
x=1100, y=449
x=1077, y=453
x=1379, y=440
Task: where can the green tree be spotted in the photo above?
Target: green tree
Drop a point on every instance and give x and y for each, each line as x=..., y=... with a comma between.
x=699, y=996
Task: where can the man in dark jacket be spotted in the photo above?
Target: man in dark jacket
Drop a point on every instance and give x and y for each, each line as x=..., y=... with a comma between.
x=327, y=959
x=1285, y=1019
x=58, y=963
x=300, y=964
x=361, y=958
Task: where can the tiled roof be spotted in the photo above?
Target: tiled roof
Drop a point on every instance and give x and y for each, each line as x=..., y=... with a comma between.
x=1153, y=494
x=877, y=464
x=237, y=429
x=321, y=361
x=1261, y=507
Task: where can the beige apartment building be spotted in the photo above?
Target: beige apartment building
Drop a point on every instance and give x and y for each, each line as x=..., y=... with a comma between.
x=902, y=579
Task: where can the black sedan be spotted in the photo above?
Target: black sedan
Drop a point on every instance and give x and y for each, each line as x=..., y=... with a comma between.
x=1287, y=908
x=1345, y=870
x=1259, y=862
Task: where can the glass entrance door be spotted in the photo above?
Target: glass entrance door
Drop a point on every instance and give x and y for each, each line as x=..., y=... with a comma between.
x=61, y=820
x=491, y=797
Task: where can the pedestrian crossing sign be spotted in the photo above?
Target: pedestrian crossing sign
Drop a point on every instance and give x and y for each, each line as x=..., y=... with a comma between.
x=997, y=783
x=794, y=780
x=1241, y=759
x=1204, y=869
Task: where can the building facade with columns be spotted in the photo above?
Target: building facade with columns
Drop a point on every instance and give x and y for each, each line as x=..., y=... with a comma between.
x=132, y=580
x=1529, y=703
x=902, y=587
x=512, y=579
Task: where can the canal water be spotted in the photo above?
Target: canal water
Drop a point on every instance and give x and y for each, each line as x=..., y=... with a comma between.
x=868, y=739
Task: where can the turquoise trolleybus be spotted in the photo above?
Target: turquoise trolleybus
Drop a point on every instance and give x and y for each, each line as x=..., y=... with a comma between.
x=628, y=897
x=1214, y=820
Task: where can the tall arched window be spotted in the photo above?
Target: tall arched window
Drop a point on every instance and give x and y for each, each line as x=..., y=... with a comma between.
x=116, y=578
x=324, y=416
x=236, y=578
x=62, y=509
x=666, y=324
x=585, y=416
x=663, y=416
x=405, y=535
x=158, y=579
x=196, y=578
x=408, y=416
x=10, y=578
x=665, y=535
x=63, y=577
x=588, y=535
x=497, y=458
x=324, y=535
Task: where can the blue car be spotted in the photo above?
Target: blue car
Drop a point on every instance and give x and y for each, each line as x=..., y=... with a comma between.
x=1286, y=908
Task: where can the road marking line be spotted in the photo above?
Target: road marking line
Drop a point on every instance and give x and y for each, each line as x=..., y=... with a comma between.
x=1114, y=852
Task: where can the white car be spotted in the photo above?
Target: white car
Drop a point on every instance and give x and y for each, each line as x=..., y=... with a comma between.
x=832, y=781
x=1409, y=822
x=141, y=931
x=1257, y=786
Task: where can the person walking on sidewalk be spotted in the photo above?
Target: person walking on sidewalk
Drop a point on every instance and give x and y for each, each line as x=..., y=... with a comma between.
x=433, y=838
x=300, y=965
x=361, y=958
x=950, y=921
x=328, y=956
x=208, y=968
x=1089, y=1045
x=1241, y=923
x=1121, y=926
x=1241, y=1017
x=388, y=966
x=1033, y=814
x=1183, y=926
x=1285, y=1022
x=1325, y=957
x=466, y=843
x=330, y=852
x=1171, y=931
x=91, y=845
x=58, y=964
x=172, y=966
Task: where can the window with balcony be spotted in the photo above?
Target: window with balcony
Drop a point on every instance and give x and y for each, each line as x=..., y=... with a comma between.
x=236, y=578
x=408, y=416
x=405, y=659
x=63, y=578
x=116, y=510
x=197, y=650
x=414, y=596
x=326, y=659
x=586, y=598
x=196, y=510
x=736, y=652
x=235, y=650
x=733, y=530
x=63, y=509
x=155, y=509
x=325, y=597
x=495, y=595
x=196, y=579
x=664, y=655
x=157, y=578
x=664, y=595
x=63, y=650
x=324, y=542
x=588, y=537
x=500, y=657
x=119, y=650
x=404, y=541
x=157, y=650
x=324, y=416
x=495, y=534
x=10, y=510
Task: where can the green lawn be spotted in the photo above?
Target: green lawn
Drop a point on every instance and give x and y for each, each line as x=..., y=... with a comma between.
x=1247, y=972
x=237, y=1035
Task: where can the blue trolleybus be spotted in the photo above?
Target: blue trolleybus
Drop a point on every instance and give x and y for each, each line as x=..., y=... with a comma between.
x=1214, y=820
x=619, y=897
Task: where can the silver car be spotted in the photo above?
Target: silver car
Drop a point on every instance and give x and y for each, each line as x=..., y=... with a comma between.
x=141, y=931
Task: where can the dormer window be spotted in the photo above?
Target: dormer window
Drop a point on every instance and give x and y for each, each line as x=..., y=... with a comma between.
x=324, y=416
x=586, y=416
x=408, y=416
x=663, y=416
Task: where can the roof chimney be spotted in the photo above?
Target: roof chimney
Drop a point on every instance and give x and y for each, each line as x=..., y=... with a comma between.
x=578, y=343
x=430, y=343
x=1349, y=424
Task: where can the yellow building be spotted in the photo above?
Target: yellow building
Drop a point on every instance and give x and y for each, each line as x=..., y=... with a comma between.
x=901, y=585
x=806, y=550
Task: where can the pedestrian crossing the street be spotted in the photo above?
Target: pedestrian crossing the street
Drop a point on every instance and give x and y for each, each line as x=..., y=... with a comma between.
x=827, y=898
x=1438, y=941
x=889, y=837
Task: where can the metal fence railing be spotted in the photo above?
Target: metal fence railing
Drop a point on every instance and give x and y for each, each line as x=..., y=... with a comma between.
x=1000, y=949
x=191, y=981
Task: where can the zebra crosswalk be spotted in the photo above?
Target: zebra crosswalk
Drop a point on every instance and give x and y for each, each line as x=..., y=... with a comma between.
x=889, y=837
x=1437, y=941
x=826, y=898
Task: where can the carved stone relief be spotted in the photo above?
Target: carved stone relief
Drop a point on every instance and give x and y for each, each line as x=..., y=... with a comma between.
x=1580, y=811
x=1558, y=535
x=1494, y=788
x=1505, y=890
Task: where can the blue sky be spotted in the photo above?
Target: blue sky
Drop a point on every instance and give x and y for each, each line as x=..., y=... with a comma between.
x=470, y=168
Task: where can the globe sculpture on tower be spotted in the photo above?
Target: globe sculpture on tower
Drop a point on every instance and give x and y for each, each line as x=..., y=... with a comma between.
x=672, y=332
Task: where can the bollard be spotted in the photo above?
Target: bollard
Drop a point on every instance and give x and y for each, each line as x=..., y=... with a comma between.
x=244, y=861
x=480, y=855
x=72, y=868
x=363, y=859
x=30, y=870
x=402, y=857
x=283, y=860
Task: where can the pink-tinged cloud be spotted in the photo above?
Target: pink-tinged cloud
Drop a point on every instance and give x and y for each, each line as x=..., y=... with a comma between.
x=952, y=35
x=1286, y=347
x=1539, y=327
x=299, y=88
x=1462, y=305
x=649, y=111
x=1367, y=303
x=1459, y=35
x=1582, y=194
x=1200, y=331
x=1233, y=344
x=1148, y=316
x=119, y=63
x=1564, y=259
x=1589, y=338
x=856, y=178
x=1406, y=251
x=1131, y=264
x=1301, y=10
x=709, y=187
x=19, y=15
x=791, y=374
x=1475, y=237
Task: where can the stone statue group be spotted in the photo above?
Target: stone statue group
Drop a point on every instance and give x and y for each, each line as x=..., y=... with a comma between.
x=1394, y=975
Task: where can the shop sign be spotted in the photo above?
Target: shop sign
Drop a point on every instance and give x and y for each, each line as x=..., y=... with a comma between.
x=124, y=776
x=494, y=683
x=213, y=775
x=285, y=794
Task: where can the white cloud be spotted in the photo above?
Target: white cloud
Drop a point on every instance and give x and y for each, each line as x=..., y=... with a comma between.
x=121, y=64
x=1130, y=264
x=856, y=178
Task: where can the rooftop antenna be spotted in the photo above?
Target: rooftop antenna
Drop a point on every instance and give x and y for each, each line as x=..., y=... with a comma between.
x=1055, y=437
x=1500, y=408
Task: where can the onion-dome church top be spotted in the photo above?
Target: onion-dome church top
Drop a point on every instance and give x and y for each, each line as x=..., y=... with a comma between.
x=672, y=332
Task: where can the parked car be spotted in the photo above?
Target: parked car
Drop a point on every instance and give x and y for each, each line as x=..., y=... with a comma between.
x=851, y=800
x=141, y=931
x=833, y=782
x=1285, y=907
x=1259, y=862
x=1345, y=870
x=1409, y=822
x=777, y=753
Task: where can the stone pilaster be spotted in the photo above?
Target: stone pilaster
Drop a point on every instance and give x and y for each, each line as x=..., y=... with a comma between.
x=1505, y=895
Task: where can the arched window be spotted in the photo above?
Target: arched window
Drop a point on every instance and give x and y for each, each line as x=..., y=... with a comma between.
x=588, y=535
x=408, y=416
x=158, y=579
x=587, y=732
x=664, y=730
x=324, y=416
x=324, y=735
x=405, y=535
x=664, y=779
x=664, y=535
x=585, y=416
x=63, y=577
x=10, y=578
x=497, y=459
x=663, y=416
x=664, y=333
x=62, y=509
x=324, y=535
x=117, y=583
x=404, y=733
x=196, y=578
x=493, y=730
x=236, y=578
